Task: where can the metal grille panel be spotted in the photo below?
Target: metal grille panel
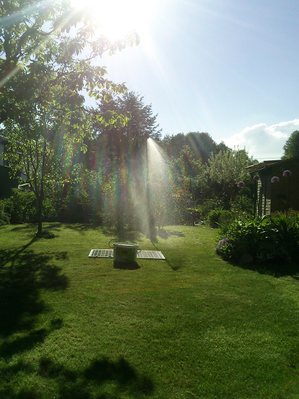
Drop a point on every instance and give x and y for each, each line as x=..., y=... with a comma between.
x=150, y=255
x=109, y=253
x=101, y=253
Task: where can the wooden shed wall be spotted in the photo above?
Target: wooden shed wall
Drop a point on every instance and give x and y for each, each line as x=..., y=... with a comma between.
x=279, y=196
x=263, y=203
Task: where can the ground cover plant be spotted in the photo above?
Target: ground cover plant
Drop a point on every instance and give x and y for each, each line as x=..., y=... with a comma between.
x=193, y=326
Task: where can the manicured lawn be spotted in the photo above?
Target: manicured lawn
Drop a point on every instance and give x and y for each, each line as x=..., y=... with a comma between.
x=192, y=326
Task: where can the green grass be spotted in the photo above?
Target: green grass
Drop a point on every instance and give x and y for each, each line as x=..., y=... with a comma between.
x=192, y=326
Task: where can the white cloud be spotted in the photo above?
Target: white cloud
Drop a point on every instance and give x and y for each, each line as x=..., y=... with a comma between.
x=262, y=141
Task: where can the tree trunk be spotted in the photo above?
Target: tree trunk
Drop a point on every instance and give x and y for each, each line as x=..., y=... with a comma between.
x=39, y=215
x=40, y=198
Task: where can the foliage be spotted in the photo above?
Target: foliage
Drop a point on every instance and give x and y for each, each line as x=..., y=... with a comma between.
x=241, y=205
x=21, y=207
x=43, y=45
x=120, y=149
x=271, y=238
x=219, y=218
x=291, y=147
x=48, y=56
x=225, y=170
x=200, y=145
x=132, y=123
x=211, y=204
x=4, y=216
x=187, y=166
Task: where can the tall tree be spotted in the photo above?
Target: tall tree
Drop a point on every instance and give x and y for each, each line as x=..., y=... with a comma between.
x=133, y=123
x=121, y=148
x=48, y=53
x=291, y=147
x=201, y=145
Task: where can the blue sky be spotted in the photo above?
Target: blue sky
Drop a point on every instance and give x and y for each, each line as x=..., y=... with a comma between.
x=226, y=67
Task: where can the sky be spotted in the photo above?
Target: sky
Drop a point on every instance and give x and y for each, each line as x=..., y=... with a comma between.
x=225, y=67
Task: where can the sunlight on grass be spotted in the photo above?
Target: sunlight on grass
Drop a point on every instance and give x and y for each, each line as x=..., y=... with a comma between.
x=190, y=326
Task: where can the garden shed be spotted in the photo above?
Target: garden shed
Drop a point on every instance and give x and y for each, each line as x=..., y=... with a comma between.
x=277, y=185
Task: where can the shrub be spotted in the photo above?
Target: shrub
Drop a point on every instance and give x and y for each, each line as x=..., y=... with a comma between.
x=213, y=204
x=22, y=207
x=219, y=218
x=265, y=239
x=4, y=216
x=241, y=204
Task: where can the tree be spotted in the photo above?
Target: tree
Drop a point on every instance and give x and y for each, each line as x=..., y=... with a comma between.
x=48, y=55
x=225, y=170
x=291, y=147
x=201, y=145
x=121, y=149
x=133, y=123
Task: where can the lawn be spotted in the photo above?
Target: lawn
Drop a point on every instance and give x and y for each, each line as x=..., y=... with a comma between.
x=192, y=326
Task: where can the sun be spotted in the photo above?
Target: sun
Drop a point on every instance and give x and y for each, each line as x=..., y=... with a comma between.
x=118, y=17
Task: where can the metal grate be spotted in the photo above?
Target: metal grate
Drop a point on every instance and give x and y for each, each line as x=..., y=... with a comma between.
x=109, y=253
x=101, y=253
x=150, y=255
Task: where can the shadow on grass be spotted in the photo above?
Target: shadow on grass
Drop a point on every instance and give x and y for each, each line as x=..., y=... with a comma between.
x=22, y=274
x=275, y=269
x=126, y=266
x=124, y=236
x=33, y=226
x=83, y=227
x=22, y=344
x=104, y=378
x=23, y=227
x=164, y=234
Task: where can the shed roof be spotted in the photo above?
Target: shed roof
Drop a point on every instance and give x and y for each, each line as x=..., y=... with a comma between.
x=266, y=164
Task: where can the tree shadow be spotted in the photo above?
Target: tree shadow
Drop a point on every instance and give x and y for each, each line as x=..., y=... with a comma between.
x=164, y=234
x=92, y=382
x=126, y=235
x=22, y=344
x=32, y=226
x=22, y=274
x=99, y=373
x=79, y=227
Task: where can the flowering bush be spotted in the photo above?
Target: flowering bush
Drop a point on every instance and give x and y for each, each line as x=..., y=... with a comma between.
x=268, y=238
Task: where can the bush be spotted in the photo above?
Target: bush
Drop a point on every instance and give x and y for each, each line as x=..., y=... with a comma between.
x=219, y=218
x=213, y=204
x=274, y=239
x=242, y=204
x=22, y=207
x=4, y=216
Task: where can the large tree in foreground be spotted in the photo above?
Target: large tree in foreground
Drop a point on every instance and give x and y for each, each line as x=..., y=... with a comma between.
x=47, y=58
